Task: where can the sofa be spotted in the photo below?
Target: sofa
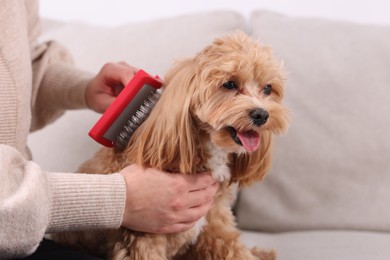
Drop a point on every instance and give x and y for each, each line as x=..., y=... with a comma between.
x=327, y=194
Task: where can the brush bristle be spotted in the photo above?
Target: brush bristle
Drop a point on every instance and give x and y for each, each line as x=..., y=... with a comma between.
x=123, y=138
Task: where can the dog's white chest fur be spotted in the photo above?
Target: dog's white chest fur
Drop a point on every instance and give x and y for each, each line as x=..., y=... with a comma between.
x=218, y=164
x=220, y=172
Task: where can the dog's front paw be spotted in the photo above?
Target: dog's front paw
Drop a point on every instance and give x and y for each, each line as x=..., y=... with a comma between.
x=262, y=254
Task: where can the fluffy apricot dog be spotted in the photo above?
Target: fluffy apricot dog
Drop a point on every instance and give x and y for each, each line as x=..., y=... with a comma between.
x=218, y=112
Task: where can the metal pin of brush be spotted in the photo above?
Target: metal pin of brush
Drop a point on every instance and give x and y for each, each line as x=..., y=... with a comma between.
x=128, y=111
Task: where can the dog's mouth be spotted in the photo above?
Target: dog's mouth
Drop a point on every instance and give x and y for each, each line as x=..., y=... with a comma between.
x=249, y=139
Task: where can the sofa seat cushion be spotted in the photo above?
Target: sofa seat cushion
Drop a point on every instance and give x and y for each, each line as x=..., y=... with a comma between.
x=322, y=245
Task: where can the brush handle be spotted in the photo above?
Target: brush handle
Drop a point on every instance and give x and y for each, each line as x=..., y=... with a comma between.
x=124, y=107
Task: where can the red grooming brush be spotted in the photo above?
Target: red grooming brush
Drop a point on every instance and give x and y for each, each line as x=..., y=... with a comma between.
x=128, y=111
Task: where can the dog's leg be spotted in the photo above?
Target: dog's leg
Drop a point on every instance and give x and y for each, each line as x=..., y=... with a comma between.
x=264, y=254
x=220, y=239
x=129, y=245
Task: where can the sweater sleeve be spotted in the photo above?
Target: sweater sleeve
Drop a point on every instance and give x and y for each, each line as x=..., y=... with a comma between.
x=34, y=202
x=57, y=84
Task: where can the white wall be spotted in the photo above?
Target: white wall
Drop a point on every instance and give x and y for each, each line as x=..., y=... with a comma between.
x=115, y=12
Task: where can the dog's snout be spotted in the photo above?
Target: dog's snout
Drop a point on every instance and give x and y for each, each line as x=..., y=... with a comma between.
x=259, y=116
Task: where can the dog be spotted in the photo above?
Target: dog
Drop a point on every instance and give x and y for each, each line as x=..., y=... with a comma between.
x=218, y=112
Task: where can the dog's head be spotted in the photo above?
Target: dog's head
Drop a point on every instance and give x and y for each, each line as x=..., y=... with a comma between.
x=232, y=92
x=239, y=93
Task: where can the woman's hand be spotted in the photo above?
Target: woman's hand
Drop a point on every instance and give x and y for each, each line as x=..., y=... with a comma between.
x=103, y=88
x=161, y=202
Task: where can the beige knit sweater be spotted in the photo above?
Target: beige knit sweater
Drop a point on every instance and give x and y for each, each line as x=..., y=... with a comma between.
x=36, y=85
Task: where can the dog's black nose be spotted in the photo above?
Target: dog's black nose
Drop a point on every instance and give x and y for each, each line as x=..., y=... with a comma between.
x=259, y=116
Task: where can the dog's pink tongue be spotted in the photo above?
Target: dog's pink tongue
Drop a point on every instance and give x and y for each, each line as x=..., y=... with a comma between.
x=250, y=140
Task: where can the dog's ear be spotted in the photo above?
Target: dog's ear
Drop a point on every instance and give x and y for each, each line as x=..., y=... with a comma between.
x=250, y=167
x=167, y=139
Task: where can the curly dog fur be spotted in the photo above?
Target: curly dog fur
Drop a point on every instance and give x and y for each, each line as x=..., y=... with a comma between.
x=218, y=112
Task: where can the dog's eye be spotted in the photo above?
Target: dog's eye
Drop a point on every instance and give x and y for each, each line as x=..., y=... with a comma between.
x=267, y=89
x=230, y=85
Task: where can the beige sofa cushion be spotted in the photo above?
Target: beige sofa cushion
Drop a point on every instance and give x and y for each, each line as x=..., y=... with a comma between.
x=322, y=245
x=332, y=169
x=152, y=46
